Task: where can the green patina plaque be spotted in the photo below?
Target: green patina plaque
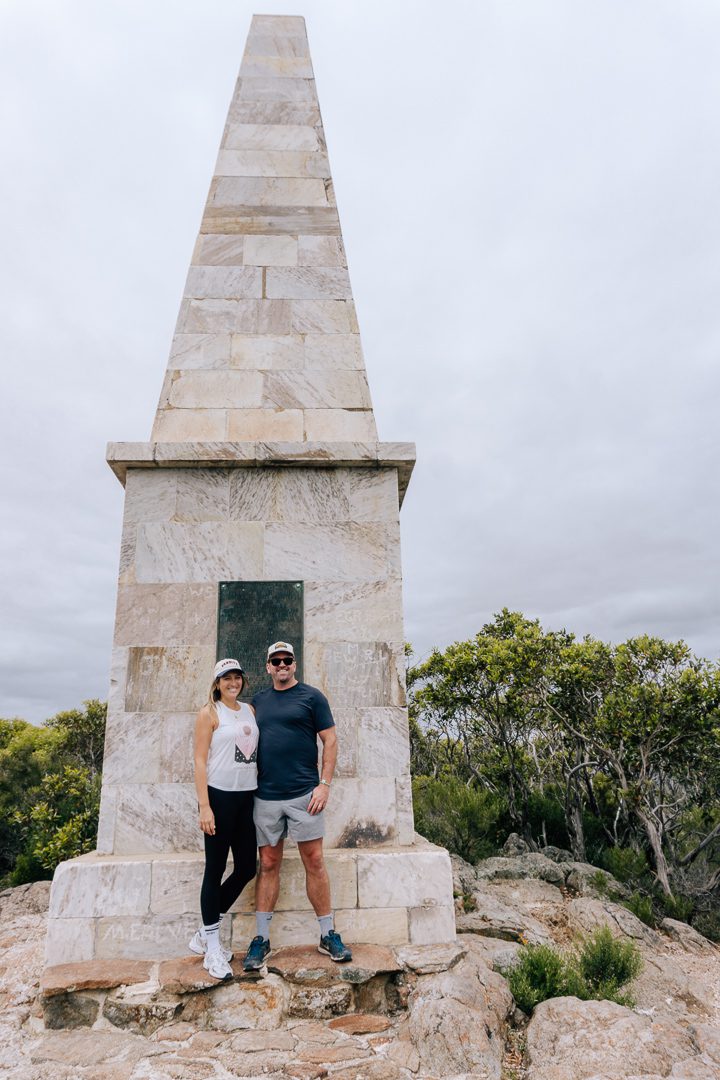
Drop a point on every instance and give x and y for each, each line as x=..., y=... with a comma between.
x=251, y=616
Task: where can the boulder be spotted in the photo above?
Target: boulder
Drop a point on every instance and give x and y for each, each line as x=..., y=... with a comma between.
x=93, y=975
x=568, y=1039
x=500, y=913
x=530, y=865
x=586, y=914
x=457, y=1019
x=515, y=845
x=582, y=879
x=30, y=899
x=689, y=939
x=430, y=959
x=557, y=854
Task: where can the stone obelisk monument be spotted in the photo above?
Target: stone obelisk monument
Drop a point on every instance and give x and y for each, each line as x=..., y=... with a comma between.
x=263, y=507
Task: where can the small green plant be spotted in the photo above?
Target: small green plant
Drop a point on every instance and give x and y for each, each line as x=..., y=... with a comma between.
x=540, y=973
x=469, y=903
x=641, y=905
x=606, y=965
x=599, y=970
x=599, y=882
x=625, y=864
x=678, y=907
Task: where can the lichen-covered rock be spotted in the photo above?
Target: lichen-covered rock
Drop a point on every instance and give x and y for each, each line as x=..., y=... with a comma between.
x=568, y=1039
x=515, y=845
x=586, y=914
x=582, y=879
x=501, y=912
x=30, y=899
x=530, y=865
x=557, y=854
x=430, y=959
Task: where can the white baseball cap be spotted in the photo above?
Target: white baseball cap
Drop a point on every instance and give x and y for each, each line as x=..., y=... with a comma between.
x=224, y=667
x=281, y=646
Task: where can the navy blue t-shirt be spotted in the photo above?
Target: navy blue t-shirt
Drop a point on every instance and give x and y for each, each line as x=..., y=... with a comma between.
x=289, y=721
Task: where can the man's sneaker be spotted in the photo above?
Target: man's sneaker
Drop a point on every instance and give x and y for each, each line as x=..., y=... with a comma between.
x=257, y=954
x=332, y=945
x=198, y=945
x=216, y=965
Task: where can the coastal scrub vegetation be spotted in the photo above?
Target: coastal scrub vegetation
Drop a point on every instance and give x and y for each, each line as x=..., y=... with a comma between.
x=50, y=777
x=609, y=751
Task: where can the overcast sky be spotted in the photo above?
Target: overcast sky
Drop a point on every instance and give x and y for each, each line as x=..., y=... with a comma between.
x=530, y=198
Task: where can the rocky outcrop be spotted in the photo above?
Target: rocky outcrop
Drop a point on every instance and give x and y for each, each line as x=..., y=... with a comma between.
x=409, y=1013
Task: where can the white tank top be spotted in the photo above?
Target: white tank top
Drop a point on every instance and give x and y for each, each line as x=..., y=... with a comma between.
x=232, y=759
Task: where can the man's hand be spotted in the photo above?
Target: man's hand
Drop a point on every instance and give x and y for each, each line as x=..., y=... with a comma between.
x=318, y=799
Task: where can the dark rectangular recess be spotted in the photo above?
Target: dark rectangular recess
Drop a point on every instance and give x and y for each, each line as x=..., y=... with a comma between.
x=251, y=616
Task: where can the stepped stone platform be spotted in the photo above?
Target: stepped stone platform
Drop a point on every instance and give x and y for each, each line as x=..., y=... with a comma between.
x=296, y=983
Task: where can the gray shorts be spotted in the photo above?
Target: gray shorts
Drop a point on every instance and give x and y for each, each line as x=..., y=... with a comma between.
x=277, y=818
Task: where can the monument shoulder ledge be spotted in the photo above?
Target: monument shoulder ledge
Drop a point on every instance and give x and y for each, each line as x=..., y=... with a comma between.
x=122, y=456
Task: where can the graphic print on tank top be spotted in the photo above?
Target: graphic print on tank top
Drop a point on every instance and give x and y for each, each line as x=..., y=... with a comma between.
x=245, y=743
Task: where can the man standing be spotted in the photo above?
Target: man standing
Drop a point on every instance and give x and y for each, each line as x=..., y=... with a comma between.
x=291, y=797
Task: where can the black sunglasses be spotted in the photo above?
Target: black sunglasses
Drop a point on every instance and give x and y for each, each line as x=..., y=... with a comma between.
x=276, y=661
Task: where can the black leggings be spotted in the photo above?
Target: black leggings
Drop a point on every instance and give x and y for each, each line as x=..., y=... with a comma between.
x=234, y=830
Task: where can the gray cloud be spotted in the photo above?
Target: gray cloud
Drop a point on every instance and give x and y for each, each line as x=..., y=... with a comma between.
x=528, y=196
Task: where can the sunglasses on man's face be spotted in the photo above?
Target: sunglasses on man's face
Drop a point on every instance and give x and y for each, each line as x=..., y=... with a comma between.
x=276, y=661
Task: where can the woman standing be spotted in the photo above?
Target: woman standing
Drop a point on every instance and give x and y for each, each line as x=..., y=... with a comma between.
x=226, y=739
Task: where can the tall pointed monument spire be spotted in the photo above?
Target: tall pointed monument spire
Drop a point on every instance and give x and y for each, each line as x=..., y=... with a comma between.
x=262, y=508
x=267, y=345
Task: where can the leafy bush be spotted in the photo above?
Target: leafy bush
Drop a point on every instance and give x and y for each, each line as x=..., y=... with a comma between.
x=625, y=864
x=598, y=970
x=605, y=965
x=708, y=924
x=641, y=905
x=678, y=907
x=465, y=820
x=541, y=973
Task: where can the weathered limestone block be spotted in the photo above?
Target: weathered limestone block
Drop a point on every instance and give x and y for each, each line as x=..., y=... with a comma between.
x=282, y=352
x=152, y=936
x=321, y=316
x=362, y=674
x=181, y=425
x=342, y=551
x=212, y=389
x=150, y=496
x=156, y=818
x=342, y=868
x=353, y=611
x=266, y=423
x=323, y=389
x=268, y=89
x=217, y=251
x=91, y=886
x=413, y=878
x=430, y=924
x=224, y=282
x=166, y=614
x=321, y=251
x=333, y=351
x=361, y=813
x=268, y=191
x=331, y=424
x=133, y=750
x=70, y=940
x=235, y=316
x=309, y=283
x=168, y=679
x=383, y=742
x=180, y=551
x=290, y=163
x=272, y=137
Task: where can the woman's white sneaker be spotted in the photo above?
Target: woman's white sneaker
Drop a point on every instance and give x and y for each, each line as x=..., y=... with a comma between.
x=216, y=965
x=198, y=945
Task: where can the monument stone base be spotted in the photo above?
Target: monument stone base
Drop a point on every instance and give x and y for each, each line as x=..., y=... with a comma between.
x=146, y=907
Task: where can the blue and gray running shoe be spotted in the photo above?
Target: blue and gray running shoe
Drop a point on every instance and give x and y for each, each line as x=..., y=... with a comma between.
x=332, y=945
x=257, y=954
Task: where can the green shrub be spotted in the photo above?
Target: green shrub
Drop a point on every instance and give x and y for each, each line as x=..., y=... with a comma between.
x=465, y=820
x=541, y=972
x=641, y=905
x=599, y=970
x=625, y=864
x=678, y=907
x=605, y=965
x=708, y=924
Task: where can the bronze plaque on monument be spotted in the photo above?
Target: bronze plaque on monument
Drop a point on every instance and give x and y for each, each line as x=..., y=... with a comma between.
x=251, y=616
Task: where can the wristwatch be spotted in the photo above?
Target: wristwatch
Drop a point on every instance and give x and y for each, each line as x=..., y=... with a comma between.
x=326, y=783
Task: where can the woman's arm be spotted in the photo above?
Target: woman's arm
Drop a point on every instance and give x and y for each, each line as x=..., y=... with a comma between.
x=204, y=727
